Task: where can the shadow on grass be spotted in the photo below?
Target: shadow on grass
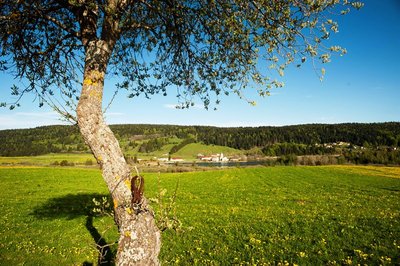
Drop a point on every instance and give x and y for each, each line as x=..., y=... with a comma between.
x=72, y=206
x=69, y=206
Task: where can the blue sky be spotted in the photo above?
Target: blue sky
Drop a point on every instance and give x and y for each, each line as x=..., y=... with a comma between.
x=362, y=86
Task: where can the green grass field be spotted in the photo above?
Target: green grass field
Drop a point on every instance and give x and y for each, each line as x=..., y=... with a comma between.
x=253, y=216
x=48, y=159
x=190, y=151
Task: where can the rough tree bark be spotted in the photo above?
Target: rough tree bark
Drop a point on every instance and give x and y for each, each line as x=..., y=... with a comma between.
x=140, y=241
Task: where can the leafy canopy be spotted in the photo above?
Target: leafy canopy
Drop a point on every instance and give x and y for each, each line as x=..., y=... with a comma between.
x=204, y=48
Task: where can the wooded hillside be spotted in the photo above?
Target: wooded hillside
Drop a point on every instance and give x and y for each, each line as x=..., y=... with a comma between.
x=298, y=139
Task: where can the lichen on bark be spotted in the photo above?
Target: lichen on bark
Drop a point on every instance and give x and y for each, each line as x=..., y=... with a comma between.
x=140, y=239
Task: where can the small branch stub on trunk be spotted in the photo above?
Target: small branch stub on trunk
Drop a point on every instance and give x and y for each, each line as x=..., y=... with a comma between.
x=137, y=188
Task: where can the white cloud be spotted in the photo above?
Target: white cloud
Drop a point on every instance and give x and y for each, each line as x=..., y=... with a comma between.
x=29, y=119
x=170, y=106
x=38, y=114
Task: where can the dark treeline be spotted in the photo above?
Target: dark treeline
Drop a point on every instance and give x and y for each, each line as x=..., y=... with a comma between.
x=179, y=146
x=40, y=140
x=153, y=145
x=299, y=139
x=376, y=134
x=279, y=149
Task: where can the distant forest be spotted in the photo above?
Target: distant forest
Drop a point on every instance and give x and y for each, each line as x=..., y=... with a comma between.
x=272, y=141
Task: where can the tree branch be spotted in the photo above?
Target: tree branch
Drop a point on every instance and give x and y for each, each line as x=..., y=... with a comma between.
x=62, y=26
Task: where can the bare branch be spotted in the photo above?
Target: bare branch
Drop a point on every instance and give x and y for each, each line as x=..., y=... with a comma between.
x=62, y=26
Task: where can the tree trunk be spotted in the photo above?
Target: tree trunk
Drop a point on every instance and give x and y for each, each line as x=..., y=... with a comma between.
x=140, y=239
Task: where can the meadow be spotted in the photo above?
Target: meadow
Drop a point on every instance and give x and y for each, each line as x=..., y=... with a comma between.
x=327, y=215
x=48, y=159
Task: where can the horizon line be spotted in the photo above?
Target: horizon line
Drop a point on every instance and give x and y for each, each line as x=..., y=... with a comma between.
x=205, y=125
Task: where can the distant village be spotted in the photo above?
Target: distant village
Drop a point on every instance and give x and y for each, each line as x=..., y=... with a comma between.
x=219, y=157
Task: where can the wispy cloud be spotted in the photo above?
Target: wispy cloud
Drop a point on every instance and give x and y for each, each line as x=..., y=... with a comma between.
x=170, y=106
x=29, y=119
x=37, y=114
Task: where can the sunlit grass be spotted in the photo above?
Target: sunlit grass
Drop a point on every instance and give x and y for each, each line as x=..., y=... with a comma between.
x=56, y=236
x=371, y=170
x=254, y=216
x=191, y=150
x=48, y=159
x=295, y=215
